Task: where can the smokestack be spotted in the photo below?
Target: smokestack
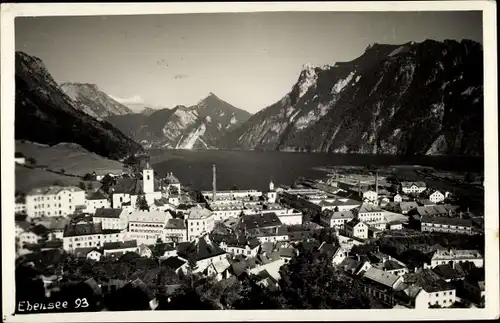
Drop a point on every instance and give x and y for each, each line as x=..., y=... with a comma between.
x=214, y=182
x=376, y=183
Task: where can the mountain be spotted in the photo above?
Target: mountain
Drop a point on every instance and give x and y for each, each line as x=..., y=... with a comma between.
x=197, y=127
x=410, y=99
x=45, y=114
x=89, y=99
x=148, y=111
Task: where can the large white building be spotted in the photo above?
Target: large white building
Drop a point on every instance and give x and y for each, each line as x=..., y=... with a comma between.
x=175, y=230
x=436, y=197
x=413, y=187
x=453, y=257
x=127, y=190
x=332, y=219
x=199, y=221
x=54, y=201
x=147, y=227
x=373, y=215
x=232, y=195
x=88, y=234
x=370, y=197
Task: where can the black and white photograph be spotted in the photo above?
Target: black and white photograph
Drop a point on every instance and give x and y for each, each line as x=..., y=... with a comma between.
x=250, y=160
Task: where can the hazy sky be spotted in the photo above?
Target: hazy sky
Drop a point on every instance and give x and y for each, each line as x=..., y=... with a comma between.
x=250, y=60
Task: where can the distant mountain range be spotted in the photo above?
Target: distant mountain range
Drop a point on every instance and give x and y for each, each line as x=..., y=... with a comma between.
x=200, y=126
x=409, y=99
x=46, y=114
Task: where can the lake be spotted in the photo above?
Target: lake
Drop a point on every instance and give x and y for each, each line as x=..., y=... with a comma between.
x=254, y=169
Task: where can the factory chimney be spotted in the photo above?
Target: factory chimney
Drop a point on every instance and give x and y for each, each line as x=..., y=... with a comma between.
x=214, y=182
x=376, y=184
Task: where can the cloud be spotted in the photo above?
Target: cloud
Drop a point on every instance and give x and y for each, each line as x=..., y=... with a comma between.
x=180, y=76
x=132, y=100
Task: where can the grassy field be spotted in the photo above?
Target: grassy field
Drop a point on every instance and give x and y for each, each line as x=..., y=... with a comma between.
x=72, y=158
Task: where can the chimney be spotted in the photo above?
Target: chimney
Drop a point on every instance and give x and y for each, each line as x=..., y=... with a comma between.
x=214, y=182
x=376, y=183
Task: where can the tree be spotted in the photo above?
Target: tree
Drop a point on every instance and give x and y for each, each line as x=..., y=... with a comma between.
x=31, y=160
x=141, y=203
x=62, y=171
x=58, y=183
x=88, y=177
x=82, y=185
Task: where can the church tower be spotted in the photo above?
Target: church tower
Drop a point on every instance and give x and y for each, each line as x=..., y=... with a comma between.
x=271, y=186
x=148, y=179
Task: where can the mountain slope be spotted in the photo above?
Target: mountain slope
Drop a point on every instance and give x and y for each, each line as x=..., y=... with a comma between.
x=199, y=126
x=45, y=114
x=89, y=99
x=413, y=99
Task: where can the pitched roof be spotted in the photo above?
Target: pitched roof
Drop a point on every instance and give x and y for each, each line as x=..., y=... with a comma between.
x=389, y=264
x=53, y=223
x=287, y=252
x=108, y=213
x=430, y=281
x=82, y=252
x=239, y=267
x=199, y=213
x=263, y=220
x=170, y=178
x=267, y=247
x=380, y=276
x=447, y=272
x=149, y=216
x=410, y=184
x=97, y=195
x=81, y=229
x=367, y=208
x=201, y=248
x=52, y=190
x=173, y=262
x=120, y=245
x=328, y=248
x=175, y=224
x=339, y=215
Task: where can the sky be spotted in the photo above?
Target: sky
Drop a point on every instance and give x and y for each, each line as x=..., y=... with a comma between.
x=250, y=60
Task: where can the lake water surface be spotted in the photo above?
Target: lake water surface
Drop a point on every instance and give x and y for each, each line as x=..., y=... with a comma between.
x=254, y=169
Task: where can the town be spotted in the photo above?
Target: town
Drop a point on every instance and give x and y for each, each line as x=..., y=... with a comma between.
x=144, y=241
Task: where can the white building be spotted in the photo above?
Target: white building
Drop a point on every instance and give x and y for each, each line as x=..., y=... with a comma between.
x=372, y=215
x=370, y=197
x=413, y=187
x=127, y=190
x=271, y=194
x=115, y=219
x=332, y=219
x=248, y=248
x=232, y=195
x=452, y=257
x=357, y=229
x=199, y=221
x=146, y=227
x=436, y=197
x=120, y=248
x=175, y=230
x=398, y=198
x=88, y=234
x=54, y=201
x=20, y=205
x=96, y=201
x=433, y=291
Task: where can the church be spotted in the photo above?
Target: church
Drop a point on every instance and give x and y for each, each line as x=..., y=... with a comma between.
x=126, y=191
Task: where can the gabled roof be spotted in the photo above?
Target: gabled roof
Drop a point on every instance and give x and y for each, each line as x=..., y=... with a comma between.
x=339, y=215
x=201, y=248
x=175, y=224
x=287, y=252
x=53, y=190
x=263, y=220
x=120, y=245
x=410, y=184
x=328, y=248
x=97, y=195
x=429, y=281
x=368, y=208
x=81, y=229
x=199, y=213
x=83, y=252
x=108, y=213
x=149, y=216
x=447, y=272
x=170, y=178
x=173, y=262
x=381, y=277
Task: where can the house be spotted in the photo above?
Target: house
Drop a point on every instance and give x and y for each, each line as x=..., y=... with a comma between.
x=202, y=250
x=85, y=233
x=96, y=200
x=370, y=197
x=177, y=264
x=172, y=184
x=54, y=225
x=120, y=248
x=220, y=269
x=89, y=253
x=240, y=246
x=397, y=198
x=435, y=210
x=372, y=215
x=413, y=187
x=287, y=253
x=454, y=257
x=263, y=226
x=389, y=264
x=374, y=232
x=383, y=201
x=147, y=227
x=449, y=272
x=434, y=290
x=406, y=207
x=20, y=204
x=175, y=230
x=446, y=224
x=163, y=204
x=54, y=201
x=199, y=221
x=436, y=197
x=394, y=225
x=111, y=218
x=357, y=229
x=32, y=236
x=334, y=219
x=381, y=285
x=338, y=254
x=144, y=251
